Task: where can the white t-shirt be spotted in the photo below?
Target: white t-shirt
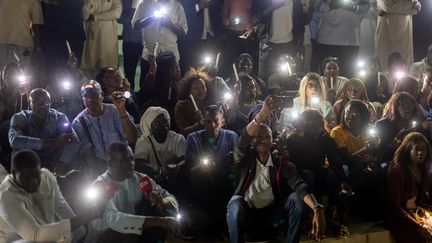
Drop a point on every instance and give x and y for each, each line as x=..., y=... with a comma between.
x=16, y=18
x=282, y=24
x=260, y=192
x=167, y=152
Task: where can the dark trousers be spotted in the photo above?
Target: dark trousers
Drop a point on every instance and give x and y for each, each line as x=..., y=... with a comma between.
x=131, y=56
x=145, y=66
x=240, y=217
x=150, y=235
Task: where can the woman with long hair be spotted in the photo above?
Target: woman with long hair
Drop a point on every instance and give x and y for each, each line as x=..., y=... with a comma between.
x=192, y=100
x=401, y=116
x=353, y=89
x=409, y=186
x=312, y=95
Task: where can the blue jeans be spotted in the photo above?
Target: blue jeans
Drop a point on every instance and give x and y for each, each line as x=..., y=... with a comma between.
x=239, y=215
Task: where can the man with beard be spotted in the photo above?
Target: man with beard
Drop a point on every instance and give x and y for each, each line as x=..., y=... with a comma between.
x=100, y=125
x=44, y=130
x=131, y=215
x=208, y=167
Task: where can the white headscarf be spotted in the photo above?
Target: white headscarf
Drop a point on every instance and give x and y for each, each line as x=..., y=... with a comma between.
x=148, y=117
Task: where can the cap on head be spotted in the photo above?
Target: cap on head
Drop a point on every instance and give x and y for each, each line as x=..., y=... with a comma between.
x=91, y=87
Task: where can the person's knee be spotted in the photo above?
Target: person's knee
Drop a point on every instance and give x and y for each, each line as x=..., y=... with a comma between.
x=294, y=205
x=235, y=206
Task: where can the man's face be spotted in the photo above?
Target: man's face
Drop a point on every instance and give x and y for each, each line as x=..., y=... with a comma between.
x=263, y=140
x=248, y=90
x=213, y=122
x=40, y=103
x=122, y=165
x=93, y=102
x=352, y=117
x=28, y=179
x=159, y=128
x=112, y=78
x=313, y=128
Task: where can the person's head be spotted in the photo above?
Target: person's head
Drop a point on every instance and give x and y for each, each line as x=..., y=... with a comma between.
x=311, y=122
x=426, y=79
x=40, y=102
x=155, y=122
x=354, y=89
x=247, y=88
x=9, y=76
x=409, y=85
x=110, y=78
x=245, y=63
x=373, y=65
x=92, y=95
x=213, y=120
x=311, y=86
x=168, y=69
x=413, y=151
x=262, y=141
x=330, y=67
x=402, y=106
x=396, y=63
x=194, y=83
x=355, y=115
x=429, y=55
x=120, y=160
x=26, y=170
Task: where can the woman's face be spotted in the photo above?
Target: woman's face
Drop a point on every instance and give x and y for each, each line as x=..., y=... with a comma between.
x=248, y=90
x=245, y=66
x=418, y=153
x=174, y=72
x=198, y=89
x=312, y=88
x=406, y=108
x=331, y=69
x=352, y=117
x=354, y=91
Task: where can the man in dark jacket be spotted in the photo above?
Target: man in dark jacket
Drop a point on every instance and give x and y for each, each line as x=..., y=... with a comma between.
x=267, y=185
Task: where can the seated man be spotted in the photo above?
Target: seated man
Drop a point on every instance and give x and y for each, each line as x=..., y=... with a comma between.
x=32, y=207
x=208, y=168
x=132, y=214
x=267, y=185
x=99, y=125
x=418, y=68
x=159, y=152
x=43, y=130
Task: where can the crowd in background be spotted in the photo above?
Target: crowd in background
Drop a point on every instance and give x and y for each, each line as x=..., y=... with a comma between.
x=247, y=119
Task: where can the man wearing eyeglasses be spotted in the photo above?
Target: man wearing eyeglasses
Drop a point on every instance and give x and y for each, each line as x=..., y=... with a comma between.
x=44, y=130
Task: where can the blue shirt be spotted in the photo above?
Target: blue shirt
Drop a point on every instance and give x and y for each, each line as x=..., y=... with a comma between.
x=25, y=134
x=103, y=130
x=199, y=146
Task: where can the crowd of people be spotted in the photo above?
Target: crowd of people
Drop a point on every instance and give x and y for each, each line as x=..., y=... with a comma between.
x=225, y=133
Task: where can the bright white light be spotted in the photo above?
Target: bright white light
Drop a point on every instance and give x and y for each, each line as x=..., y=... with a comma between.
x=315, y=100
x=66, y=124
x=205, y=161
x=66, y=85
x=372, y=132
x=92, y=193
x=207, y=59
x=294, y=114
x=178, y=217
x=237, y=20
x=285, y=67
x=160, y=12
x=399, y=74
x=22, y=78
x=228, y=96
x=127, y=94
x=361, y=63
x=362, y=73
x=414, y=123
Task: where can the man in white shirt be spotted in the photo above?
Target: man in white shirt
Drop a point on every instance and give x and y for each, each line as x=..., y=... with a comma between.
x=269, y=190
x=132, y=215
x=18, y=21
x=32, y=207
x=418, y=68
x=161, y=21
